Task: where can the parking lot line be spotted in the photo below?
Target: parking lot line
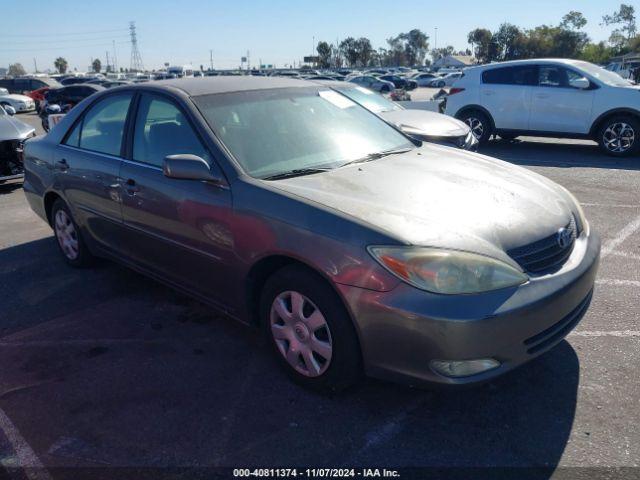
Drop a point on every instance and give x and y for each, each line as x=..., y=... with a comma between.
x=26, y=457
x=602, y=333
x=616, y=282
x=631, y=228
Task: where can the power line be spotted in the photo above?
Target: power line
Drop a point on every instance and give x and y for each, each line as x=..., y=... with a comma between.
x=64, y=47
x=61, y=34
x=70, y=40
x=136, y=58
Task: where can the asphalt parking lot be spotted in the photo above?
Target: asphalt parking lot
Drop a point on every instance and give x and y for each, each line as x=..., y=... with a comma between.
x=106, y=368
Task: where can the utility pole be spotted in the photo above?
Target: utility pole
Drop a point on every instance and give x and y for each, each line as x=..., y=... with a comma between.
x=115, y=58
x=211, y=58
x=35, y=65
x=248, y=61
x=107, y=69
x=136, y=58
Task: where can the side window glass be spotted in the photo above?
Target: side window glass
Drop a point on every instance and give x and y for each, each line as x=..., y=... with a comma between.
x=103, y=125
x=73, y=139
x=552, y=76
x=160, y=130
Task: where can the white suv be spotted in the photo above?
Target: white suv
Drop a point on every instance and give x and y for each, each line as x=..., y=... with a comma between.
x=550, y=98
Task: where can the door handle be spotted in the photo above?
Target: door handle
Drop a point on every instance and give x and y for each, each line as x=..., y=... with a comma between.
x=542, y=95
x=130, y=186
x=488, y=93
x=62, y=165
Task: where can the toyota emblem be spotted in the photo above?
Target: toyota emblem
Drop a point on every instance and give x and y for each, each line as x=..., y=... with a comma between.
x=563, y=237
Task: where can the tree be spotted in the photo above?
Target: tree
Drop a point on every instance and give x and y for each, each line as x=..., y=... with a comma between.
x=596, y=53
x=61, y=65
x=408, y=48
x=573, y=21
x=16, y=70
x=324, y=54
x=481, y=39
x=509, y=41
x=349, y=50
x=96, y=65
x=364, y=50
x=626, y=17
x=438, y=53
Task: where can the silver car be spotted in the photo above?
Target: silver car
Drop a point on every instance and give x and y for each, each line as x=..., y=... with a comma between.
x=421, y=124
x=373, y=83
x=287, y=205
x=13, y=134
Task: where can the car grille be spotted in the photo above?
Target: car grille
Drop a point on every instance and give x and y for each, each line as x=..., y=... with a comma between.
x=558, y=331
x=546, y=254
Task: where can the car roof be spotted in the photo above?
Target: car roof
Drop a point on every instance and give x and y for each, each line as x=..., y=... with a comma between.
x=225, y=84
x=536, y=61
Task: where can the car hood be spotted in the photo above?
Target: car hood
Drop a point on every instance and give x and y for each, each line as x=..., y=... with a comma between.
x=17, y=97
x=441, y=197
x=12, y=129
x=423, y=122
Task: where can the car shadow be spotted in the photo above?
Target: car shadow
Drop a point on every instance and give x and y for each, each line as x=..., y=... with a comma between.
x=532, y=152
x=104, y=367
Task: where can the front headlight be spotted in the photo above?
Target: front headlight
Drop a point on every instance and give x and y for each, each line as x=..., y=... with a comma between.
x=447, y=271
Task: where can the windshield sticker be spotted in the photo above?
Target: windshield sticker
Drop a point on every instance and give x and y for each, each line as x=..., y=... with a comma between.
x=335, y=98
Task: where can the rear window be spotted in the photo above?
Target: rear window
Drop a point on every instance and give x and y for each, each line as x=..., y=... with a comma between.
x=524, y=75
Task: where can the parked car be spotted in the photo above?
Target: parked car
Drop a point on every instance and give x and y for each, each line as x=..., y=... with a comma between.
x=423, y=79
x=446, y=81
x=372, y=83
x=72, y=94
x=551, y=98
x=115, y=83
x=13, y=134
x=72, y=80
x=421, y=124
x=21, y=103
x=353, y=246
x=400, y=81
x=22, y=85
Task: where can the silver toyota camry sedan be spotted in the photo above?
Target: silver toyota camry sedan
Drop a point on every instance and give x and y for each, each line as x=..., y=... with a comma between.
x=289, y=206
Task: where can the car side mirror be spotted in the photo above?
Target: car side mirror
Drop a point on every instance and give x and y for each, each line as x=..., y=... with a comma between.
x=10, y=110
x=580, y=83
x=189, y=167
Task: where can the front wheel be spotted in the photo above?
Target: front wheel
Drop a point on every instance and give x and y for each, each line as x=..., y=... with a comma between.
x=618, y=136
x=310, y=330
x=479, y=124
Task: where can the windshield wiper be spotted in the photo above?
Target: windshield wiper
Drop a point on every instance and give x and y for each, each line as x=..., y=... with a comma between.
x=298, y=172
x=376, y=155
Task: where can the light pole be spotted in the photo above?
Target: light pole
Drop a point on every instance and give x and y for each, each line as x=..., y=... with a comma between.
x=436, y=47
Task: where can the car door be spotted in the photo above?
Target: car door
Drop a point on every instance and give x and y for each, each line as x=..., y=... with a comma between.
x=506, y=93
x=177, y=229
x=557, y=105
x=87, y=168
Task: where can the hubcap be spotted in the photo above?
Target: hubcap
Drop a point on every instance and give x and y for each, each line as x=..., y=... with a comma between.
x=619, y=137
x=301, y=333
x=476, y=127
x=66, y=235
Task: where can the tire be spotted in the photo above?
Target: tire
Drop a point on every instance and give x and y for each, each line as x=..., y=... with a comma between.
x=619, y=136
x=479, y=123
x=68, y=236
x=318, y=348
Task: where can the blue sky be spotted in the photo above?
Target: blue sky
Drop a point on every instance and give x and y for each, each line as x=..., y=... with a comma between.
x=276, y=31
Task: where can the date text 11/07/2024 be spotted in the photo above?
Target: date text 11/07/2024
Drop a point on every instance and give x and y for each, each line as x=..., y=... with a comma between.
x=316, y=472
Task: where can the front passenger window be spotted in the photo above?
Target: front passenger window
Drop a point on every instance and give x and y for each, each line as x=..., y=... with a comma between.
x=161, y=129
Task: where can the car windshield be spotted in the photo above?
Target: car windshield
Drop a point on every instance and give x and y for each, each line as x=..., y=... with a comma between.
x=605, y=76
x=271, y=132
x=370, y=100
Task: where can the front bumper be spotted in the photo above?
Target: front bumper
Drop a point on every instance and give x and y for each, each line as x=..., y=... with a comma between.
x=403, y=330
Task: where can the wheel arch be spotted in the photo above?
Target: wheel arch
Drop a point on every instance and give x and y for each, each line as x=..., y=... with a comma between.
x=49, y=199
x=597, y=123
x=468, y=108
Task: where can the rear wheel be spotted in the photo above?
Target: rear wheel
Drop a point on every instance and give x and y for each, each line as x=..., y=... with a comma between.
x=479, y=124
x=68, y=236
x=310, y=330
x=619, y=136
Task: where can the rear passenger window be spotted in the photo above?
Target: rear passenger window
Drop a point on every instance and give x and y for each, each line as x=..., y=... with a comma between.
x=161, y=129
x=103, y=125
x=524, y=75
